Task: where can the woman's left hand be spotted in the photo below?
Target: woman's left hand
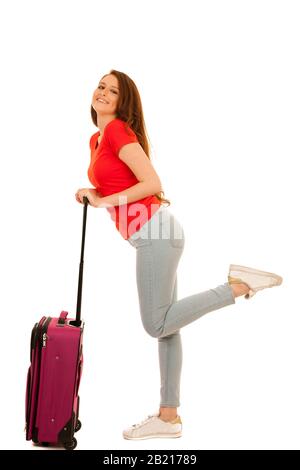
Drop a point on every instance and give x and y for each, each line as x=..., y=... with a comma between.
x=92, y=195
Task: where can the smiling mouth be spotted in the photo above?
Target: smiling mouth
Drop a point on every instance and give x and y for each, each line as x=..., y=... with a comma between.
x=101, y=101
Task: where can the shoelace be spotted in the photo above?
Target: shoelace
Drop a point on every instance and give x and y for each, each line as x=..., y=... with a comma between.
x=143, y=422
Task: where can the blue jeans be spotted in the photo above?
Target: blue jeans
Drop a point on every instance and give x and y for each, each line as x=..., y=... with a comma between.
x=159, y=245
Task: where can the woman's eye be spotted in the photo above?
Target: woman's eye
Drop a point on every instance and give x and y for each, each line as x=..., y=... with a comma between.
x=101, y=86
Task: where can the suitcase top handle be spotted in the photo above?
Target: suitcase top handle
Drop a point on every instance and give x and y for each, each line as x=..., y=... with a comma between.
x=62, y=318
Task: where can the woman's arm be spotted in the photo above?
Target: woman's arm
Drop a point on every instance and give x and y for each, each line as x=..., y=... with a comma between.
x=134, y=193
x=149, y=183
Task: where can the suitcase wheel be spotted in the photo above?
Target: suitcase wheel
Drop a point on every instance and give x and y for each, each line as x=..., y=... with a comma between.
x=78, y=425
x=70, y=445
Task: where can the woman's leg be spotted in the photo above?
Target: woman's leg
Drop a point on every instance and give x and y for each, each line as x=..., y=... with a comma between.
x=162, y=316
x=170, y=362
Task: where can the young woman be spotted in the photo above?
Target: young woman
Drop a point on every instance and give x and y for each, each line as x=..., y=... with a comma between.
x=127, y=185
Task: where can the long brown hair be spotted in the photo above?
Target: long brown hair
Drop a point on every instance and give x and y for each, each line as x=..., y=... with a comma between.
x=129, y=109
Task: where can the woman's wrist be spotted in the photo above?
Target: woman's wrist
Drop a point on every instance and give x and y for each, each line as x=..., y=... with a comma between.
x=102, y=202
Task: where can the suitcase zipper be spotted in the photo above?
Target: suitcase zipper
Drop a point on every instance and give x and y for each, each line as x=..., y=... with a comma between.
x=44, y=328
x=33, y=341
x=44, y=336
x=37, y=338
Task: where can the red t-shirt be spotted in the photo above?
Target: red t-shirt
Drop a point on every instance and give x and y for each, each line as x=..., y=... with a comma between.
x=109, y=175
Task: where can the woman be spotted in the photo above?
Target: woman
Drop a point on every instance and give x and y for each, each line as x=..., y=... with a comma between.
x=127, y=185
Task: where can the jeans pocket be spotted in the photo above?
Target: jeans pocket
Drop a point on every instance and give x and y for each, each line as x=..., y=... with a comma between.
x=177, y=242
x=173, y=231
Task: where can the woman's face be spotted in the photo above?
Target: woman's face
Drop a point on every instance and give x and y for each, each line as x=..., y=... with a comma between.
x=107, y=91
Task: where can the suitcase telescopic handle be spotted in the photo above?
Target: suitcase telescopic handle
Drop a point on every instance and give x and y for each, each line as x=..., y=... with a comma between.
x=79, y=291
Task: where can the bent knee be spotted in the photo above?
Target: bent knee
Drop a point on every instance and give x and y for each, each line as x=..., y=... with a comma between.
x=152, y=330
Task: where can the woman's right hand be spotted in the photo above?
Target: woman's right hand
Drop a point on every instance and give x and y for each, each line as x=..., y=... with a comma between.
x=91, y=193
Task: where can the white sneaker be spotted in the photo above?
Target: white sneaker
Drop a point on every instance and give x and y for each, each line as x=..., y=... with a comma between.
x=254, y=278
x=153, y=427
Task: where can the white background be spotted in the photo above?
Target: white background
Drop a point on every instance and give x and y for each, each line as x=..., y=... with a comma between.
x=219, y=82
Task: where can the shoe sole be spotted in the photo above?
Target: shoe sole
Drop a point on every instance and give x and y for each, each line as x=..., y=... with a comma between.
x=172, y=436
x=245, y=269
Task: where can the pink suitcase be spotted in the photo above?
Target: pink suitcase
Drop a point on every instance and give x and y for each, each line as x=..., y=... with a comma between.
x=53, y=378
